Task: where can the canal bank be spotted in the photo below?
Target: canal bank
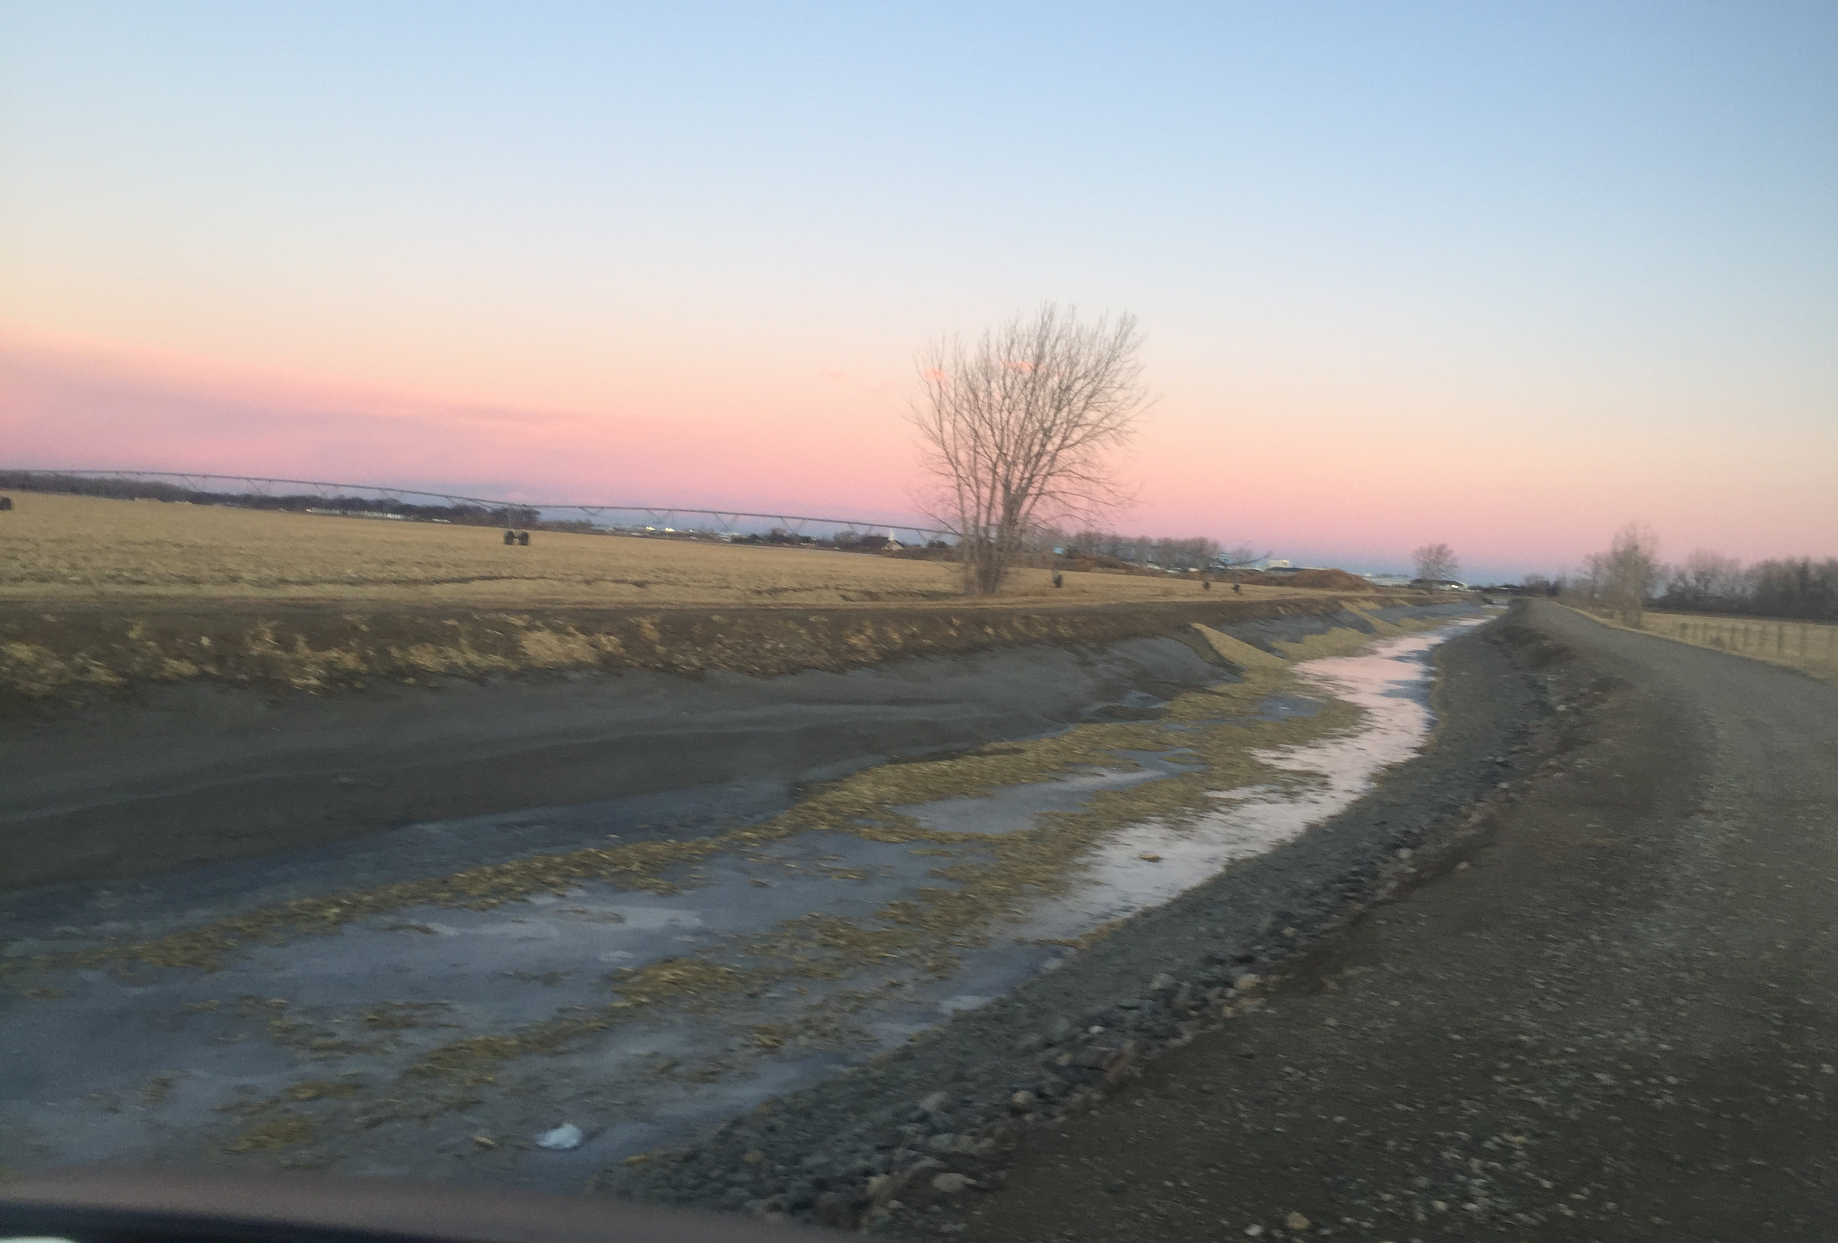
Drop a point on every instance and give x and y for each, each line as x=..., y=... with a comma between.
x=645, y=971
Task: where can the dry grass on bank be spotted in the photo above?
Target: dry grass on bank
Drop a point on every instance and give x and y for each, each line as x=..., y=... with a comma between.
x=1808, y=646
x=70, y=549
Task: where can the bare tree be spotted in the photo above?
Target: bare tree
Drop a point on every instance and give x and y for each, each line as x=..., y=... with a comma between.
x=1706, y=579
x=1436, y=563
x=1627, y=573
x=1017, y=426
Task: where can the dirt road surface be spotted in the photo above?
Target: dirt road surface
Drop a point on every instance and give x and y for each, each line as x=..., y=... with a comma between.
x=1610, y=1014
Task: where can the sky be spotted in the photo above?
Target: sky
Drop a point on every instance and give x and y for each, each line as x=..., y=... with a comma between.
x=1503, y=275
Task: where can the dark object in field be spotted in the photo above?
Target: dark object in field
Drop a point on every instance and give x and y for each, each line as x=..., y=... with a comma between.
x=1206, y=584
x=523, y=538
x=1059, y=580
x=1238, y=587
x=6, y=502
x=510, y=537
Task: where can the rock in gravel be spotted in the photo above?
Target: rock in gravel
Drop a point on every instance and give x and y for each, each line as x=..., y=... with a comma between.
x=949, y=1183
x=1118, y=1067
x=884, y=1187
x=1295, y=1221
x=833, y=1211
x=1164, y=980
x=1023, y=1101
x=933, y=1103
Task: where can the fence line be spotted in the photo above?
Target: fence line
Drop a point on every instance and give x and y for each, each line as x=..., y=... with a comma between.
x=1803, y=644
x=659, y=516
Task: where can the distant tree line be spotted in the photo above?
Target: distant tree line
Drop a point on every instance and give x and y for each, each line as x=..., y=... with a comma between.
x=1193, y=553
x=1789, y=587
x=1038, y=545
x=155, y=490
x=1630, y=577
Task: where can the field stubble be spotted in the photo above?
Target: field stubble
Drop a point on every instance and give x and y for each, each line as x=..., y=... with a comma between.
x=98, y=594
x=72, y=549
x=1811, y=647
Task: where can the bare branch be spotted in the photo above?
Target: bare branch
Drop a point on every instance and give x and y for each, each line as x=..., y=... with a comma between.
x=1436, y=563
x=1018, y=427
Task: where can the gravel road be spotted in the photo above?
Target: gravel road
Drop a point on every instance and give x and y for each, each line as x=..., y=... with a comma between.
x=1603, y=1007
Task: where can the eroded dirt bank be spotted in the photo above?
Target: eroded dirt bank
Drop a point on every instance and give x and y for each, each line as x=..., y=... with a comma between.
x=231, y=757
x=1605, y=1009
x=69, y=653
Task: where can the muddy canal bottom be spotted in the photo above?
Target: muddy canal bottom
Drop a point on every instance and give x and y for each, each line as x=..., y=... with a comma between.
x=641, y=982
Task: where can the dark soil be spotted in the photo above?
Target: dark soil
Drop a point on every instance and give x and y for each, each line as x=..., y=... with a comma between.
x=1328, y=580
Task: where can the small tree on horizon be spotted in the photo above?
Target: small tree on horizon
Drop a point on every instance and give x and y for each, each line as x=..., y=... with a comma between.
x=1436, y=562
x=1018, y=425
x=1626, y=575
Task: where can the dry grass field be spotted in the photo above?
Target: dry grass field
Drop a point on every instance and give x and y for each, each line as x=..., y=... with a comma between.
x=70, y=549
x=1810, y=646
x=97, y=596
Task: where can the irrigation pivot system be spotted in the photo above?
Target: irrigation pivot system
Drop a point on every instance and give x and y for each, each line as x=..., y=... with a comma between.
x=661, y=518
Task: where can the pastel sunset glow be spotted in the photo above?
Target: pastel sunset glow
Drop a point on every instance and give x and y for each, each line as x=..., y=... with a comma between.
x=1504, y=275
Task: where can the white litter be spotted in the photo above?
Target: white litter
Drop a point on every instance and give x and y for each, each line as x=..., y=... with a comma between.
x=567, y=1135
